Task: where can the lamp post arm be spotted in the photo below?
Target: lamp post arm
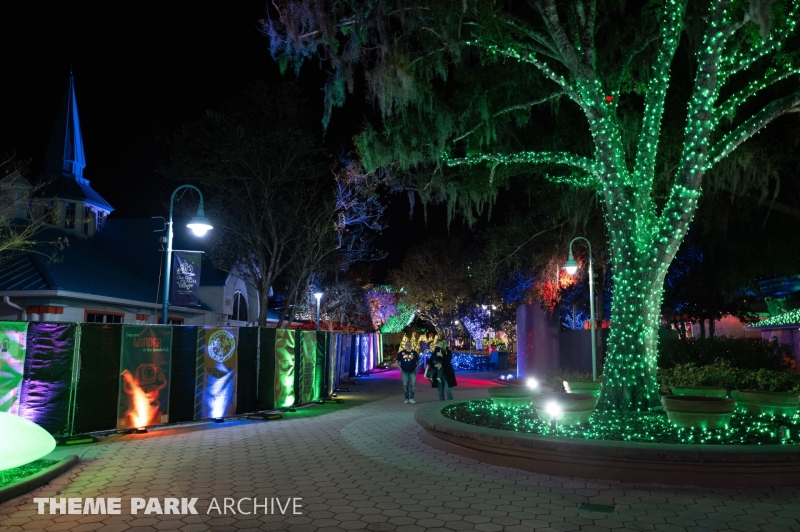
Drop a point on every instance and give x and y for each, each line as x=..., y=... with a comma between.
x=591, y=304
x=168, y=258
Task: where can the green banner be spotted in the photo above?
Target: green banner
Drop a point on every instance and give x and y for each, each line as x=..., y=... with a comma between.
x=216, y=377
x=284, y=368
x=13, y=337
x=307, y=369
x=145, y=365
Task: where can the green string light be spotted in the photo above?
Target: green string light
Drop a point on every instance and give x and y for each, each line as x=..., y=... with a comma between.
x=643, y=427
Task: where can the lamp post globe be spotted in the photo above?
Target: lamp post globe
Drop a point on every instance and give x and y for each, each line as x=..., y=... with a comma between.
x=318, y=296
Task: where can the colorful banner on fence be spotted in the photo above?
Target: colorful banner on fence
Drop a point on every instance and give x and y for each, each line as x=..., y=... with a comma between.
x=145, y=364
x=185, y=278
x=284, y=368
x=13, y=337
x=216, y=377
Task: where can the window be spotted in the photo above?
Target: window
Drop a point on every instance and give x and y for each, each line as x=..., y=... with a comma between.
x=101, y=219
x=69, y=220
x=48, y=215
x=239, y=307
x=103, y=317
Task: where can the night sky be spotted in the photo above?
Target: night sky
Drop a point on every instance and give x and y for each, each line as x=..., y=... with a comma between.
x=141, y=71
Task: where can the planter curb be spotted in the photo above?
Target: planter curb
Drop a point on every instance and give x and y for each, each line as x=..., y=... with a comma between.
x=27, y=484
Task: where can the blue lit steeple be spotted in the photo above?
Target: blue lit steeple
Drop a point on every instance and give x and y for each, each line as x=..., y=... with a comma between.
x=65, y=160
x=65, y=152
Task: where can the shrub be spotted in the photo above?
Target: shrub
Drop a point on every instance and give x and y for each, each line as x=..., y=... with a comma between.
x=743, y=353
x=723, y=374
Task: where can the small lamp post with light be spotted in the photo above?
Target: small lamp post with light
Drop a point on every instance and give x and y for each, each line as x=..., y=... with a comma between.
x=318, y=296
x=199, y=226
x=572, y=267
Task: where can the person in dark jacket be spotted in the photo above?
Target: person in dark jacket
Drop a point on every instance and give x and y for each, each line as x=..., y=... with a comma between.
x=441, y=365
x=408, y=360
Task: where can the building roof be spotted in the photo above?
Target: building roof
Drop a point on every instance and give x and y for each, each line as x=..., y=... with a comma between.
x=84, y=266
x=65, y=158
x=136, y=243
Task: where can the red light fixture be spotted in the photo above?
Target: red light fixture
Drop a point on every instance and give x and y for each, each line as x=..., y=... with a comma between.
x=609, y=98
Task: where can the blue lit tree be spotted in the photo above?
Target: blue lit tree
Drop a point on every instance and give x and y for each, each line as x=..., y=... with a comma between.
x=457, y=82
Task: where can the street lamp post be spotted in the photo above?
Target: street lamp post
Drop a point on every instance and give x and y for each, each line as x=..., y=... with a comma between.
x=572, y=267
x=199, y=226
x=318, y=295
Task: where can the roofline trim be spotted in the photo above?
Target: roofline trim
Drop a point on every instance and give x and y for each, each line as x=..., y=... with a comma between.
x=92, y=297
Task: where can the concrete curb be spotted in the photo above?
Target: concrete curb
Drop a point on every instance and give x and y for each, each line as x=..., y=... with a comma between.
x=41, y=478
x=696, y=465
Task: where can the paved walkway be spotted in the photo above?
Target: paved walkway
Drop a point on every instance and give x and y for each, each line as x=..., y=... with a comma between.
x=364, y=468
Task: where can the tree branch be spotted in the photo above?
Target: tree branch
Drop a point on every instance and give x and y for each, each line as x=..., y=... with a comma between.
x=738, y=61
x=753, y=125
x=728, y=108
x=671, y=28
x=528, y=157
x=518, y=107
x=701, y=105
x=568, y=52
x=530, y=58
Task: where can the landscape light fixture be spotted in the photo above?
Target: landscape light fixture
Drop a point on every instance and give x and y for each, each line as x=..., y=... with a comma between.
x=555, y=412
x=532, y=384
x=572, y=267
x=199, y=226
x=141, y=430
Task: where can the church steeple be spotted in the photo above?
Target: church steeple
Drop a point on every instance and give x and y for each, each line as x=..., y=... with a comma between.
x=65, y=152
x=65, y=197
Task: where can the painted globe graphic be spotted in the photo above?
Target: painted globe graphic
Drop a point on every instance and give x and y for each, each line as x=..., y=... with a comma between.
x=22, y=441
x=221, y=345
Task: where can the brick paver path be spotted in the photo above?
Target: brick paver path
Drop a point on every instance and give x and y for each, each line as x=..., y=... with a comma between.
x=364, y=468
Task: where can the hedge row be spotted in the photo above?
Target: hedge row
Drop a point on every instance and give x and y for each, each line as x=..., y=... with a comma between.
x=742, y=353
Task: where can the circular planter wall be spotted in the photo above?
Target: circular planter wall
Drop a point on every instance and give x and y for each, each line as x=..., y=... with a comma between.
x=696, y=411
x=584, y=387
x=511, y=395
x=774, y=403
x=576, y=408
x=701, y=391
x=685, y=464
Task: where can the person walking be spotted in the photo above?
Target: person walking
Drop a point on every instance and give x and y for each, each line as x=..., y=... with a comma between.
x=408, y=360
x=441, y=362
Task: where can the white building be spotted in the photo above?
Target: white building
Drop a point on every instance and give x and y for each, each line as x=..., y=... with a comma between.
x=104, y=270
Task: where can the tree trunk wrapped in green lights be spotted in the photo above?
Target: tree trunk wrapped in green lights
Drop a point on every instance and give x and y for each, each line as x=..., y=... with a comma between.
x=457, y=83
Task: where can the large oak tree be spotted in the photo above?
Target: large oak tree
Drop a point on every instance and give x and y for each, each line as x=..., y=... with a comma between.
x=626, y=98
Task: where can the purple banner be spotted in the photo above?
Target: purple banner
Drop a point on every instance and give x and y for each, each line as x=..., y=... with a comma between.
x=185, y=278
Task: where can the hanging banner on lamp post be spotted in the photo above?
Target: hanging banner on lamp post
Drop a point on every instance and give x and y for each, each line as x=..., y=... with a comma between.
x=185, y=278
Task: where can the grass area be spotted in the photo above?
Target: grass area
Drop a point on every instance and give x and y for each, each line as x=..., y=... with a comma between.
x=647, y=427
x=10, y=476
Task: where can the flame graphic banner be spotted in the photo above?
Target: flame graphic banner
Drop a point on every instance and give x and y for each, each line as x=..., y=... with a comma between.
x=144, y=376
